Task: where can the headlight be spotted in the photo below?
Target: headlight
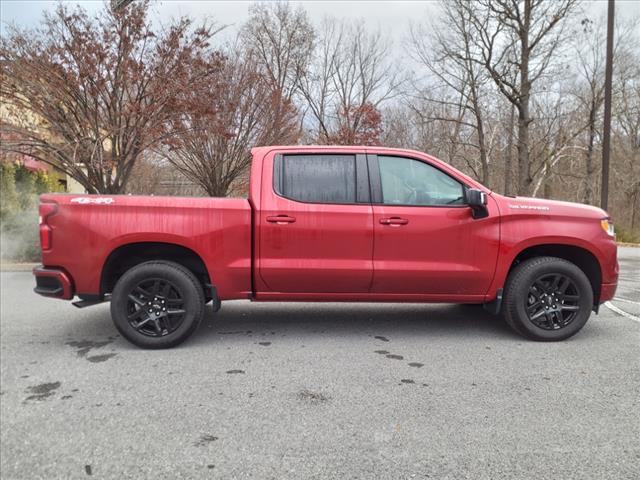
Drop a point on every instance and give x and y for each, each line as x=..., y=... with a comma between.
x=607, y=226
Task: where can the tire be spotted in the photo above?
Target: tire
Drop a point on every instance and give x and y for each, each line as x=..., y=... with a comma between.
x=535, y=305
x=157, y=304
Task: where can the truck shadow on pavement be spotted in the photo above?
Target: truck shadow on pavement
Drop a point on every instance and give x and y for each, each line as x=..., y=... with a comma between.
x=305, y=320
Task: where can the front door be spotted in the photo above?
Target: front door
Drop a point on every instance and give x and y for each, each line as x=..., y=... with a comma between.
x=316, y=224
x=426, y=241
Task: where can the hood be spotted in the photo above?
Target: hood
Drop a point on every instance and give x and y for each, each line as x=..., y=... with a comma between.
x=512, y=205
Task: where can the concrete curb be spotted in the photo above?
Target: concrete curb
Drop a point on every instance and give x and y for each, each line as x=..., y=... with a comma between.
x=17, y=267
x=624, y=244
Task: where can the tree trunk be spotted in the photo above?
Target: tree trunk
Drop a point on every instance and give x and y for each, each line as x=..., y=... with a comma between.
x=509, y=157
x=524, y=119
x=482, y=144
x=483, y=152
x=633, y=210
x=524, y=175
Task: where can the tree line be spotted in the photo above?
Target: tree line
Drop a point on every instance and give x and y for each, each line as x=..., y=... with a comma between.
x=509, y=91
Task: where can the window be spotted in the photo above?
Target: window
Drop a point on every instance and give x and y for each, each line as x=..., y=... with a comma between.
x=411, y=182
x=316, y=178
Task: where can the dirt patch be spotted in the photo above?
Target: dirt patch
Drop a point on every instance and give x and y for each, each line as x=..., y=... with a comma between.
x=101, y=358
x=85, y=346
x=42, y=391
x=204, y=440
x=312, y=397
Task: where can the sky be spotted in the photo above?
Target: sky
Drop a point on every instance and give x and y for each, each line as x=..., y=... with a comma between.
x=393, y=17
x=394, y=14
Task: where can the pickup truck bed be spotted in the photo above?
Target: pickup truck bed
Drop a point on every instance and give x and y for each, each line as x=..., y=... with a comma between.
x=90, y=236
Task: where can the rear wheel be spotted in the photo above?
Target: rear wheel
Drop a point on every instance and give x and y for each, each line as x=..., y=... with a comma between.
x=157, y=304
x=547, y=299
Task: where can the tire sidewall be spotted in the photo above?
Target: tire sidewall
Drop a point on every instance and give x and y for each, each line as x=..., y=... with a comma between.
x=519, y=290
x=182, y=279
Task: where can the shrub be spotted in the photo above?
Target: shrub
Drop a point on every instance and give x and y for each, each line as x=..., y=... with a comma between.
x=19, y=190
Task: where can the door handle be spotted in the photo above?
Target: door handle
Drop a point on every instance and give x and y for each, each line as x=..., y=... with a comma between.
x=280, y=219
x=394, y=221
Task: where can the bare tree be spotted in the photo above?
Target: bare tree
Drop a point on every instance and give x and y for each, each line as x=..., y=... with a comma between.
x=591, y=95
x=555, y=139
x=589, y=48
x=280, y=40
x=350, y=76
x=88, y=95
x=626, y=135
x=213, y=148
x=518, y=40
x=447, y=49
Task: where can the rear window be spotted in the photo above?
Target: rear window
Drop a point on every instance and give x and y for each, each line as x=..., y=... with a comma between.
x=316, y=178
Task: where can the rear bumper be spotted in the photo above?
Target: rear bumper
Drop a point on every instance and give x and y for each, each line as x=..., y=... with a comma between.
x=53, y=282
x=607, y=291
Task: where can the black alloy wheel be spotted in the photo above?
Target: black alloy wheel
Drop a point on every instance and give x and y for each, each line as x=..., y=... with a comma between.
x=155, y=307
x=157, y=304
x=553, y=301
x=547, y=298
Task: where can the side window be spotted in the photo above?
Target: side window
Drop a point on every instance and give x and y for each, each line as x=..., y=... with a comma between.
x=411, y=182
x=316, y=178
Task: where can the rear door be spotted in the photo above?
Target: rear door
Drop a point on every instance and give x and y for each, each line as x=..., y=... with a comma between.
x=316, y=223
x=426, y=241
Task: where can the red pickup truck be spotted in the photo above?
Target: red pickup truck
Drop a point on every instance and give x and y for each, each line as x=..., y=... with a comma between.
x=329, y=224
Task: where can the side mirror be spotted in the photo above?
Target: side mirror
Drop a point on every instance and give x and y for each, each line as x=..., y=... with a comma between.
x=477, y=200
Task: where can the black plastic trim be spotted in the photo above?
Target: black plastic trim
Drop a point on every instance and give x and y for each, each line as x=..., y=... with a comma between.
x=52, y=292
x=213, y=293
x=48, y=285
x=363, y=191
x=374, y=176
x=495, y=305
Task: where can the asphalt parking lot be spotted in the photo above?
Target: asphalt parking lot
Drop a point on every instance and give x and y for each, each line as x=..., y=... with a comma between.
x=319, y=391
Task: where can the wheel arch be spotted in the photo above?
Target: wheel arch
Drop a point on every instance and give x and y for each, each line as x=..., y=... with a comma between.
x=129, y=255
x=581, y=257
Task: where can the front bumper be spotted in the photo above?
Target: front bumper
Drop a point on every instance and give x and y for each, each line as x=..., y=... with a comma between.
x=53, y=282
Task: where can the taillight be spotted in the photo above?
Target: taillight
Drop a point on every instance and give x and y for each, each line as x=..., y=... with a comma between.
x=46, y=234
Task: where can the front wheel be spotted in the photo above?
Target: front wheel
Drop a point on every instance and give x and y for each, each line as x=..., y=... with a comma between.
x=547, y=299
x=157, y=304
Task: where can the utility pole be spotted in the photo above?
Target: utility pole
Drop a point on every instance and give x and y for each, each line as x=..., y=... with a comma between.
x=606, y=140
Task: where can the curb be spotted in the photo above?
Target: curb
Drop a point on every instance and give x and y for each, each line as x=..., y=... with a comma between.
x=625, y=244
x=17, y=267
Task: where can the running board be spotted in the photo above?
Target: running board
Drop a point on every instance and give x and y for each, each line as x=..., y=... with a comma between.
x=90, y=300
